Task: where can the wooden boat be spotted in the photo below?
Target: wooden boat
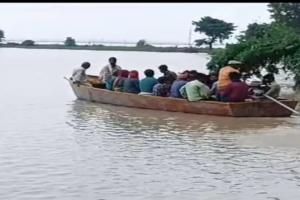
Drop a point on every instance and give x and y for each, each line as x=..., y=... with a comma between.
x=262, y=108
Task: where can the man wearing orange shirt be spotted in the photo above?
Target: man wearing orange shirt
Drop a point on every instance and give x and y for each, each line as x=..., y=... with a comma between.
x=224, y=80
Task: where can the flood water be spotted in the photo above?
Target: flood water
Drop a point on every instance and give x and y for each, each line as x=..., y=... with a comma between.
x=53, y=146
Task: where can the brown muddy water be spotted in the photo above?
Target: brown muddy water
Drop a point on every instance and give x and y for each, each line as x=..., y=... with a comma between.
x=53, y=146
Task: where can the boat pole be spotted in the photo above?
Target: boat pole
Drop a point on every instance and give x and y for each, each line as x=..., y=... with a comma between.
x=283, y=105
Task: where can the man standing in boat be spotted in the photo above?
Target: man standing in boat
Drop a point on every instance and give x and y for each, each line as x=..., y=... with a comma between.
x=108, y=70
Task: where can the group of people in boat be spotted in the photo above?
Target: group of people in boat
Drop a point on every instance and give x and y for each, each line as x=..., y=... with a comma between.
x=227, y=85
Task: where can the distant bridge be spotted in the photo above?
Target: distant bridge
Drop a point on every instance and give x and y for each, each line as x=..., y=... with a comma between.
x=99, y=42
x=107, y=42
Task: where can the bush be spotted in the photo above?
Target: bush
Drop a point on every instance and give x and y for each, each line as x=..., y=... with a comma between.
x=28, y=43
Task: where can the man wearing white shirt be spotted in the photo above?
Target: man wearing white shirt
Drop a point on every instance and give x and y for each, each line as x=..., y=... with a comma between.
x=79, y=75
x=108, y=70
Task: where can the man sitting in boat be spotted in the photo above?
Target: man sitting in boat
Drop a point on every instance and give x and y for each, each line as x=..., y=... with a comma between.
x=212, y=79
x=177, y=84
x=110, y=80
x=162, y=88
x=147, y=83
x=192, y=75
x=79, y=75
x=273, y=88
x=109, y=70
x=171, y=76
x=224, y=79
x=237, y=90
x=119, y=81
x=131, y=84
x=197, y=89
x=213, y=84
x=256, y=90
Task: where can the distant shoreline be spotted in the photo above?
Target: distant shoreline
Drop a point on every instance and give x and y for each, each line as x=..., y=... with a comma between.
x=109, y=48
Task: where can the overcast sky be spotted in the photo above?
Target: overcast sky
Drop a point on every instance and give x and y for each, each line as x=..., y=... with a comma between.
x=158, y=22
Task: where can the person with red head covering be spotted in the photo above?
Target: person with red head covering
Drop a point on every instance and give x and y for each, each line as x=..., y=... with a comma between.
x=131, y=84
x=119, y=81
x=134, y=74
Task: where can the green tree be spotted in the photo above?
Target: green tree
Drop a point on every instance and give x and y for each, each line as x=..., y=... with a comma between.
x=141, y=43
x=278, y=47
x=274, y=46
x=289, y=14
x=1, y=35
x=214, y=29
x=70, y=41
x=286, y=13
x=254, y=30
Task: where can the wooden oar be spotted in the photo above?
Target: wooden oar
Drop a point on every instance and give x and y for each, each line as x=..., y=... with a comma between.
x=283, y=105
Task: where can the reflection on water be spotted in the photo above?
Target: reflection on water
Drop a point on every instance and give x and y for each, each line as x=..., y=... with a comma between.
x=153, y=155
x=173, y=122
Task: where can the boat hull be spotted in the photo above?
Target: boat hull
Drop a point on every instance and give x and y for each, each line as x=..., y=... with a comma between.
x=263, y=108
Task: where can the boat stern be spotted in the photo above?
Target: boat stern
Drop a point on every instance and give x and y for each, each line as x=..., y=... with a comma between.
x=263, y=108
